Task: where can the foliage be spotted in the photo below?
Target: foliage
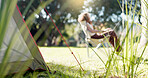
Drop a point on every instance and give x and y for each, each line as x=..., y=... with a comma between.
x=62, y=11
x=66, y=12
x=109, y=12
x=127, y=63
x=6, y=13
x=8, y=39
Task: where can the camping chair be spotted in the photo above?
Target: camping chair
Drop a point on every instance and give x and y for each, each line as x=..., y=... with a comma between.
x=95, y=42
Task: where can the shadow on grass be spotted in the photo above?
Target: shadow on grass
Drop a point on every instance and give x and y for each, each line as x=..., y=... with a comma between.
x=57, y=71
x=61, y=71
x=67, y=71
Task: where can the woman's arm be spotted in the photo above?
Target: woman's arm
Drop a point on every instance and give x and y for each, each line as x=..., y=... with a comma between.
x=92, y=30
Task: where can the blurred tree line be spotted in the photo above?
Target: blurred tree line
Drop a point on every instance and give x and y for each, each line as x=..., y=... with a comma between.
x=65, y=12
x=109, y=12
x=62, y=11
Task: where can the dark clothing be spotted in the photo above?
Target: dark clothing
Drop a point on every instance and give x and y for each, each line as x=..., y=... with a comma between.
x=112, y=39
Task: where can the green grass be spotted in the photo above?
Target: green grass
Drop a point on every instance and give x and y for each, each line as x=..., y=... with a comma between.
x=61, y=60
x=131, y=61
x=62, y=55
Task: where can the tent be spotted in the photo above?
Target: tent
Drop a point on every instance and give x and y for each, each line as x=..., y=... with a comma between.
x=24, y=54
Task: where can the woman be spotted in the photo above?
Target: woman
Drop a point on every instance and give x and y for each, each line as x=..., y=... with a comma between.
x=89, y=31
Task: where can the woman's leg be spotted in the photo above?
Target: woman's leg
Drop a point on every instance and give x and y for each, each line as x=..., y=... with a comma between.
x=112, y=39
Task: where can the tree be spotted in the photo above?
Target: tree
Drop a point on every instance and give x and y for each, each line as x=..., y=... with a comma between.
x=65, y=12
x=106, y=11
x=109, y=11
x=62, y=11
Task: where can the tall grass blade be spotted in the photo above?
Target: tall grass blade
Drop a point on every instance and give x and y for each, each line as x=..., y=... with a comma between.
x=7, y=8
x=141, y=57
x=27, y=8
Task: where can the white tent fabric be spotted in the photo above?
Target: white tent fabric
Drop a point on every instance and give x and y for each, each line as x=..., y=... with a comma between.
x=24, y=51
x=18, y=47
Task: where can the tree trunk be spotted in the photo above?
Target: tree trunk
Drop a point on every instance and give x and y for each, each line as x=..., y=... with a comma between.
x=144, y=12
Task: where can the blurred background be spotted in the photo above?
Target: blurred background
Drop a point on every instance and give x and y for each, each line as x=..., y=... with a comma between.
x=104, y=13
x=128, y=18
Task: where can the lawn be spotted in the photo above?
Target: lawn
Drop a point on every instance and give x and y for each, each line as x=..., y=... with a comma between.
x=61, y=60
x=62, y=55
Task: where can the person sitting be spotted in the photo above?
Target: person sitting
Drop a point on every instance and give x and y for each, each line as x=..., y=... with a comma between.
x=87, y=27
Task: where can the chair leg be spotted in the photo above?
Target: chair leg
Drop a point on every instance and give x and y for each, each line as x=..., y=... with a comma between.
x=95, y=50
x=97, y=47
x=87, y=46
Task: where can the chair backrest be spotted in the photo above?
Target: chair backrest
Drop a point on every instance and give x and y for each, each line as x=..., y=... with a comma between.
x=84, y=28
x=94, y=42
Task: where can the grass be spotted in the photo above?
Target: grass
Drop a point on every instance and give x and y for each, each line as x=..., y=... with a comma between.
x=61, y=60
x=63, y=56
x=130, y=63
